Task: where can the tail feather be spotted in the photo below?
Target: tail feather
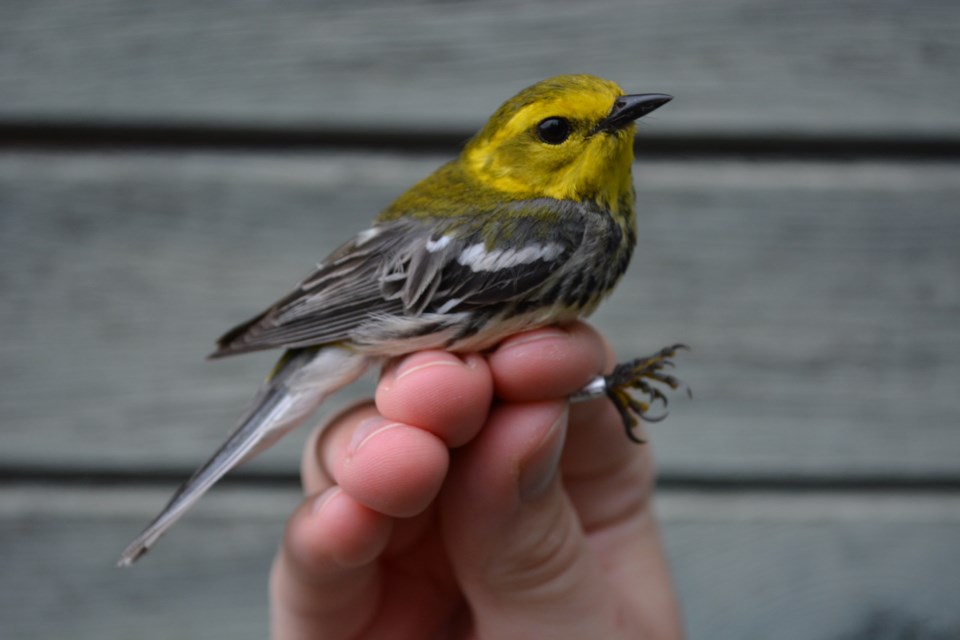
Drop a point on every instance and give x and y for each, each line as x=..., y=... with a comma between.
x=301, y=382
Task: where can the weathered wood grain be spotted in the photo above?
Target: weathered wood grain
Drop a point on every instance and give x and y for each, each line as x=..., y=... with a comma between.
x=822, y=302
x=822, y=299
x=800, y=567
x=738, y=66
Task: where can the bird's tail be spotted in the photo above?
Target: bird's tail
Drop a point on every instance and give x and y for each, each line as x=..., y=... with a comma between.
x=300, y=382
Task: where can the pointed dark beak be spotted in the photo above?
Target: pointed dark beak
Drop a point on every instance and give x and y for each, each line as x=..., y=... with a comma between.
x=629, y=108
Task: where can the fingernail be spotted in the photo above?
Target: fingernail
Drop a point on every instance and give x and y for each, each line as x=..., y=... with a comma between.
x=472, y=360
x=412, y=365
x=538, y=336
x=367, y=429
x=323, y=499
x=538, y=470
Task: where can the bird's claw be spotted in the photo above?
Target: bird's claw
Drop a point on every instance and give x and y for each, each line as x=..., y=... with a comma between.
x=638, y=375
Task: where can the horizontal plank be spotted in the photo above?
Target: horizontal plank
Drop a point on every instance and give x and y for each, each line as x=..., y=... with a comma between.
x=735, y=66
x=821, y=301
x=817, y=566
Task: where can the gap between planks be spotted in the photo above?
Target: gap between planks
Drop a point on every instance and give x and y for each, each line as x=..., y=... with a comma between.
x=91, y=135
x=274, y=503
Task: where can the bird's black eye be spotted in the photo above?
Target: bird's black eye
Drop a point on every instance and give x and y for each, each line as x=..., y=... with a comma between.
x=554, y=130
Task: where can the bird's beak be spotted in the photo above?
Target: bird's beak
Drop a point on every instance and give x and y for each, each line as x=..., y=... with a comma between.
x=629, y=108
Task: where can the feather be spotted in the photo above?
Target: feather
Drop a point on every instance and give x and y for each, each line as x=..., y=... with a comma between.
x=301, y=382
x=407, y=268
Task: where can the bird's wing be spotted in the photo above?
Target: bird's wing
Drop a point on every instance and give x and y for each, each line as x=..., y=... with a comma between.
x=405, y=268
x=479, y=273
x=338, y=295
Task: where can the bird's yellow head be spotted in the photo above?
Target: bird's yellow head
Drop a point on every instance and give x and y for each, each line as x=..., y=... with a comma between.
x=567, y=138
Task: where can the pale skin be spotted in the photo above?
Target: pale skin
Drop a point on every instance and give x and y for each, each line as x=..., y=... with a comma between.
x=472, y=501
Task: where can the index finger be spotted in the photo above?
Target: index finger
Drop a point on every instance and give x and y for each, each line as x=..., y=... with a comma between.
x=548, y=363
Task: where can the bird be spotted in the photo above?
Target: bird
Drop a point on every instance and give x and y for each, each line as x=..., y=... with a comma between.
x=531, y=225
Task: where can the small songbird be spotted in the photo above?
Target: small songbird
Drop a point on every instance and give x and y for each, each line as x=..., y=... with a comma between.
x=533, y=224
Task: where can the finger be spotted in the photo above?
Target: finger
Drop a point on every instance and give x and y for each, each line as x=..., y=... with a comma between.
x=607, y=476
x=324, y=581
x=393, y=468
x=400, y=592
x=394, y=460
x=442, y=393
x=547, y=363
x=558, y=361
x=609, y=481
x=598, y=460
x=514, y=541
x=313, y=477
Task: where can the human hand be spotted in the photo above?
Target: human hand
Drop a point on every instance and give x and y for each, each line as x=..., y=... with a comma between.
x=472, y=501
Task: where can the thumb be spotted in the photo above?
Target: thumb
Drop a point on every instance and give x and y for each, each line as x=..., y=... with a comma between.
x=513, y=538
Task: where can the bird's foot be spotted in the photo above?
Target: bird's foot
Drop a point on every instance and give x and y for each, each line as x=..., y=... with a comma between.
x=642, y=374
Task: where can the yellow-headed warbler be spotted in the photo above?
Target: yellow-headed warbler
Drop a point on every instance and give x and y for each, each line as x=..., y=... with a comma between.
x=532, y=225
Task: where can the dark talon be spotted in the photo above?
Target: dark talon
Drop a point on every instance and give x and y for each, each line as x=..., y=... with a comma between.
x=654, y=419
x=661, y=396
x=637, y=374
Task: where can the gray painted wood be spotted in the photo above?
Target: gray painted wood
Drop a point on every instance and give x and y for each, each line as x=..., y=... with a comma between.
x=887, y=67
x=798, y=567
x=802, y=567
x=821, y=301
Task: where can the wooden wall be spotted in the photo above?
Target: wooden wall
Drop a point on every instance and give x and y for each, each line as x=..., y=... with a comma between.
x=167, y=169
